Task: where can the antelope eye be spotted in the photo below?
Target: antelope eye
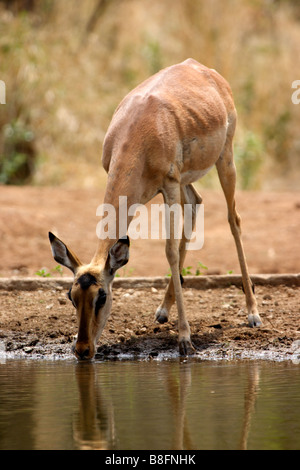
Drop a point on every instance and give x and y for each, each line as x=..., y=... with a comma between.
x=100, y=300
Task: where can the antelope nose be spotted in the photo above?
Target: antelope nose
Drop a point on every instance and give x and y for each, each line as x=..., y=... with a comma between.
x=82, y=352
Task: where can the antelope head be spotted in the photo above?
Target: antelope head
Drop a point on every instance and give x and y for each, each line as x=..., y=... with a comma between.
x=91, y=291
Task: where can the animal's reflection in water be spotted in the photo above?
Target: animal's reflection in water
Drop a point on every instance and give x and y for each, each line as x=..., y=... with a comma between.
x=94, y=424
x=249, y=404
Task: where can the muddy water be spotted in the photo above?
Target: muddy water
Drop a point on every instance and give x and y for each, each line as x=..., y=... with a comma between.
x=149, y=405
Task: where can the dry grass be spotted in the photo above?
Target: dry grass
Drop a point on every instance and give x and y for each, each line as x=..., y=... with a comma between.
x=64, y=83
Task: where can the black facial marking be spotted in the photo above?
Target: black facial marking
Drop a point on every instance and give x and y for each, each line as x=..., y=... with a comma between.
x=69, y=294
x=70, y=298
x=87, y=280
x=101, y=299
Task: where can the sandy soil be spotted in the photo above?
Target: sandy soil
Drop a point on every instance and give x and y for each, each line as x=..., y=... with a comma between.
x=42, y=322
x=270, y=223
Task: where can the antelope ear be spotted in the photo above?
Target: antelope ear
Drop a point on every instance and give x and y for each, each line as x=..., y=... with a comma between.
x=62, y=254
x=118, y=255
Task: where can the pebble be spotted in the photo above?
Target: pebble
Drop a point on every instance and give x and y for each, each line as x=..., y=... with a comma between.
x=189, y=293
x=296, y=345
x=227, y=306
x=267, y=297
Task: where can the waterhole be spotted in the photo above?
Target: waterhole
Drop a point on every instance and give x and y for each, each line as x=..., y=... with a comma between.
x=144, y=405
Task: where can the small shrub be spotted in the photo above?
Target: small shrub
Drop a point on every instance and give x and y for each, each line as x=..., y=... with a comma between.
x=17, y=155
x=249, y=159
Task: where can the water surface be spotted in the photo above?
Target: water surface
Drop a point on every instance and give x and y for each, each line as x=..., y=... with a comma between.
x=152, y=405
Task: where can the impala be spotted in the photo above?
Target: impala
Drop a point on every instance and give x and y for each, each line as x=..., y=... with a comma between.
x=165, y=134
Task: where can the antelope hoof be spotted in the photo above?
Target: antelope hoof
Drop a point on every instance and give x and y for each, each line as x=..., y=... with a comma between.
x=186, y=348
x=161, y=315
x=254, y=320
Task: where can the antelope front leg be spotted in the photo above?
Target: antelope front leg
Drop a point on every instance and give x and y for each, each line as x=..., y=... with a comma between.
x=189, y=195
x=172, y=253
x=185, y=345
x=162, y=313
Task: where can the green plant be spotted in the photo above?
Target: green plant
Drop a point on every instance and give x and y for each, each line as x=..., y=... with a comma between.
x=153, y=55
x=188, y=270
x=58, y=269
x=17, y=154
x=125, y=272
x=200, y=266
x=43, y=272
x=249, y=158
x=278, y=136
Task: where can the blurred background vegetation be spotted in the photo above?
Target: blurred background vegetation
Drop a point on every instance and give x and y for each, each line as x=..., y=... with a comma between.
x=67, y=64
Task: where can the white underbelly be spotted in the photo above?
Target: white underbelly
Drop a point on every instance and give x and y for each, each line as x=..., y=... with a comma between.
x=191, y=176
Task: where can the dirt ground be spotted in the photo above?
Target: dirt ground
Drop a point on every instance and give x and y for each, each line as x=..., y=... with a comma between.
x=42, y=322
x=270, y=226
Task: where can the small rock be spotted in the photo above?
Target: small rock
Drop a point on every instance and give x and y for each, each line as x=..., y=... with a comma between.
x=27, y=349
x=141, y=331
x=296, y=345
x=54, y=334
x=226, y=306
x=267, y=297
x=34, y=341
x=53, y=317
x=189, y=293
